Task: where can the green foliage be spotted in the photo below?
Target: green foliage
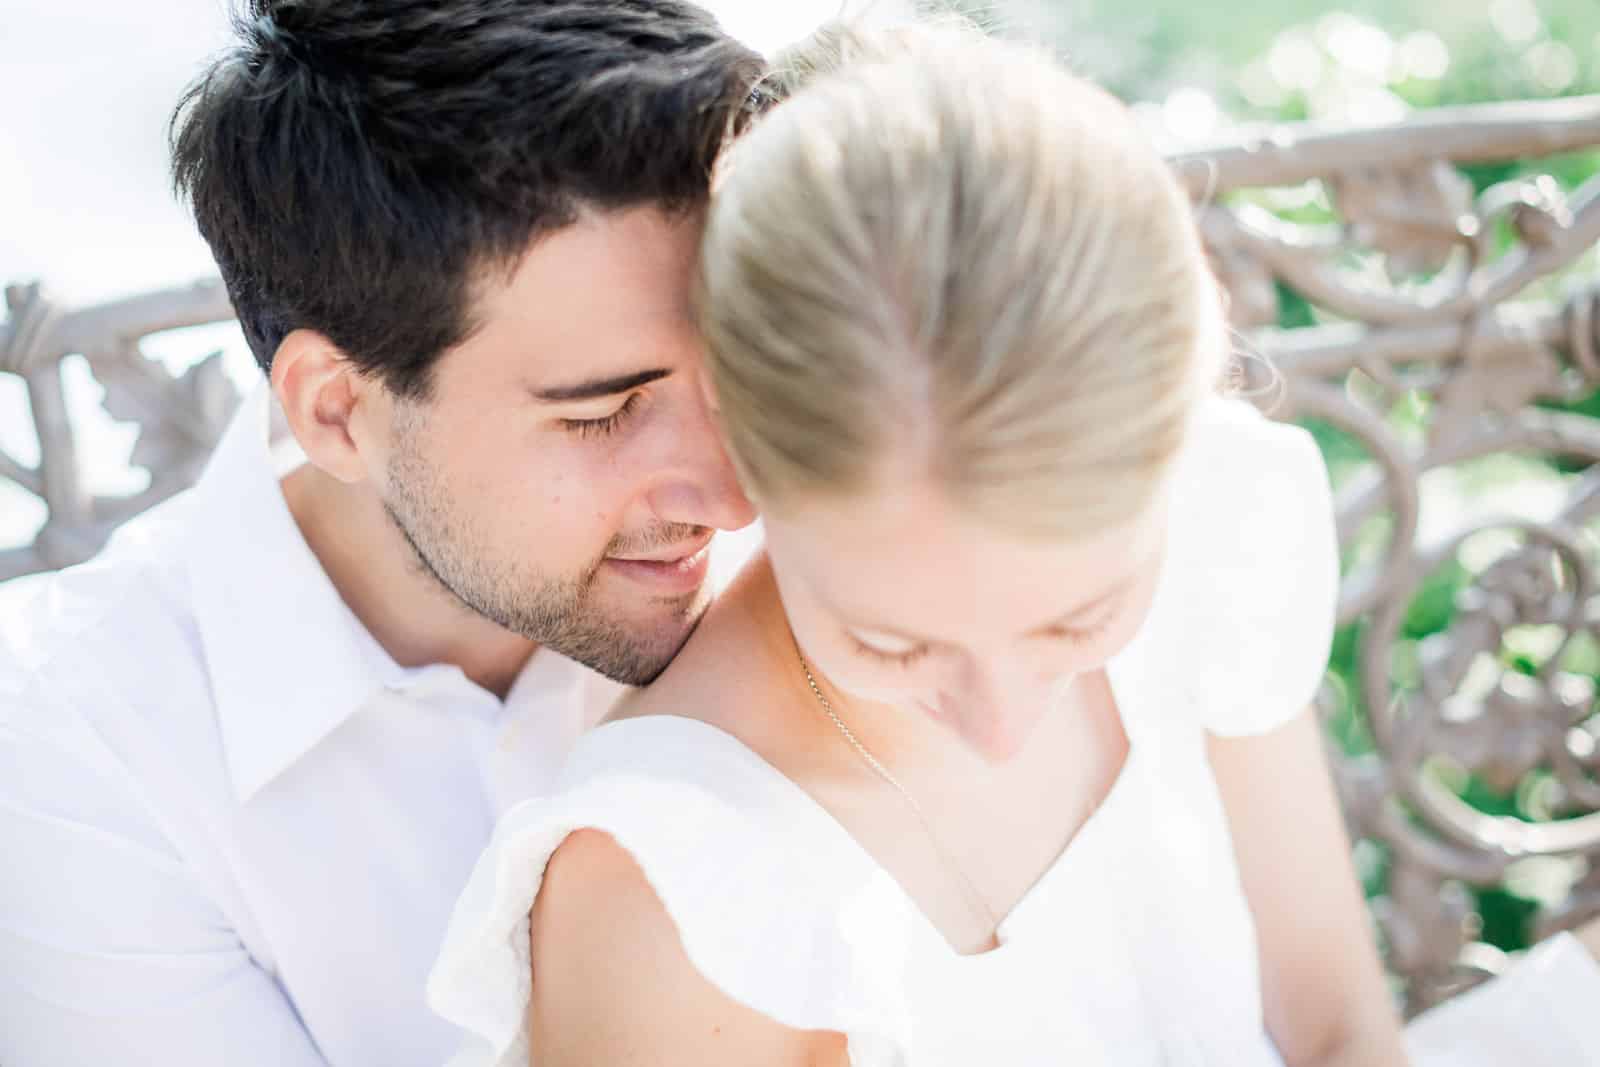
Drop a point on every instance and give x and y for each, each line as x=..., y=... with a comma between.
x=1506, y=918
x=1499, y=50
x=1435, y=603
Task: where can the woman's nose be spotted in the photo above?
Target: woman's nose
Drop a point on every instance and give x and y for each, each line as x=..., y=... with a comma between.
x=996, y=710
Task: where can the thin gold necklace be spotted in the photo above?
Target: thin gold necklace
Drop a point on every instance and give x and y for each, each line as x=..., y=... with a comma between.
x=975, y=899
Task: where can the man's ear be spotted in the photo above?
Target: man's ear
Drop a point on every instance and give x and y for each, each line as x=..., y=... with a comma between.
x=322, y=394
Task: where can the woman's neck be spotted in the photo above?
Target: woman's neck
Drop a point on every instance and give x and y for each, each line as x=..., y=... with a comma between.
x=894, y=736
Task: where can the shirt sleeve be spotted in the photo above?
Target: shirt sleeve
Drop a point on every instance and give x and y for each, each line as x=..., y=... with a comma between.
x=111, y=950
x=1262, y=574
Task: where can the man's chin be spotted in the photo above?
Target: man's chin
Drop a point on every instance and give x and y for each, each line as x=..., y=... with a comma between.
x=634, y=650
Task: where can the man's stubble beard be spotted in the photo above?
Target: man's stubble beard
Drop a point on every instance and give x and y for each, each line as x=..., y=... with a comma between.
x=554, y=612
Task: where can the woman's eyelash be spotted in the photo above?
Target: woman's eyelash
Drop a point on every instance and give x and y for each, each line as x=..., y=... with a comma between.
x=899, y=659
x=586, y=428
x=1081, y=635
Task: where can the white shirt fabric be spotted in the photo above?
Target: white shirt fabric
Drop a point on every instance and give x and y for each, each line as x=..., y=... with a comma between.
x=1136, y=949
x=233, y=825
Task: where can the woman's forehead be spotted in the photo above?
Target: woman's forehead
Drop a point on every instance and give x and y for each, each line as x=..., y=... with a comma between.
x=905, y=561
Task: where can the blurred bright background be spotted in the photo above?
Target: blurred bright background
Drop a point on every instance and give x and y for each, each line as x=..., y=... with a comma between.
x=89, y=85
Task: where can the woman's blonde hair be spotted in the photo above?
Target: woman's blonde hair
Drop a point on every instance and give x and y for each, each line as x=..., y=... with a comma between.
x=944, y=257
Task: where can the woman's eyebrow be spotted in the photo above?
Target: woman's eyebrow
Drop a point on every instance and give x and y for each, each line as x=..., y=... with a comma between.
x=1064, y=620
x=597, y=388
x=1088, y=607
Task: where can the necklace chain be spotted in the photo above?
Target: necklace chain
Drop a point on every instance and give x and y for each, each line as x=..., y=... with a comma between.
x=975, y=899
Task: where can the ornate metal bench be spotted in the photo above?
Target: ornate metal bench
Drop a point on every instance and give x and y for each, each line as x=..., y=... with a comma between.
x=1442, y=338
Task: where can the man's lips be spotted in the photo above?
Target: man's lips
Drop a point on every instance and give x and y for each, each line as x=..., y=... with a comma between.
x=672, y=554
x=678, y=569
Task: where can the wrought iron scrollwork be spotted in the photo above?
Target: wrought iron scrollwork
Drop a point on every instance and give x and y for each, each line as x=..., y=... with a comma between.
x=1425, y=293
x=180, y=417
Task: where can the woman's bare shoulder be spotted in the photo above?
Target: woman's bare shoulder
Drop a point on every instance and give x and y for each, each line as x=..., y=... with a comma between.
x=622, y=989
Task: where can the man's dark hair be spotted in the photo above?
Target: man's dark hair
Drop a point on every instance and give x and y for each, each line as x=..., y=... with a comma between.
x=356, y=164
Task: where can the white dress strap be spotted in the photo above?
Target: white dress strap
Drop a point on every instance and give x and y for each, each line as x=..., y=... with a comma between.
x=740, y=865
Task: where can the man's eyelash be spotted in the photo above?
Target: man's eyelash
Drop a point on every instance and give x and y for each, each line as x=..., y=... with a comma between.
x=899, y=659
x=586, y=428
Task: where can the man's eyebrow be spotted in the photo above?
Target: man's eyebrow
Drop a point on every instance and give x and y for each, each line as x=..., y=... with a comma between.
x=600, y=387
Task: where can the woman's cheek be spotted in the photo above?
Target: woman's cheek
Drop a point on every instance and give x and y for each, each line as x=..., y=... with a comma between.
x=872, y=685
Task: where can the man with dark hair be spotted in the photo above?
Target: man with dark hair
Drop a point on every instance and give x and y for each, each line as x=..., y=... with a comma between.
x=253, y=750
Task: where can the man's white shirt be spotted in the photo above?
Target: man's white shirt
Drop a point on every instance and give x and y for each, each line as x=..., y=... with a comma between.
x=233, y=826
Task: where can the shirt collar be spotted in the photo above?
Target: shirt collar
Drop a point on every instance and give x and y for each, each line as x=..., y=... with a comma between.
x=288, y=660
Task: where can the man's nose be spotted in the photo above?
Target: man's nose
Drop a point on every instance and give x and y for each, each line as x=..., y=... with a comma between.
x=700, y=487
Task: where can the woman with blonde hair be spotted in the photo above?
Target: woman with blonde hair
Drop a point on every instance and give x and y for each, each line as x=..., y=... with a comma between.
x=999, y=753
